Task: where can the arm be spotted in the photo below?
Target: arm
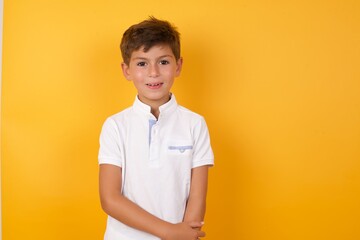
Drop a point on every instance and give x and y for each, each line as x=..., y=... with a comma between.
x=122, y=209
x=195, y=209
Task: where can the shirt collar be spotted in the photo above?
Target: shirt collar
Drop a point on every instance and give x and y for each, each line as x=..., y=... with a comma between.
x=165, y=109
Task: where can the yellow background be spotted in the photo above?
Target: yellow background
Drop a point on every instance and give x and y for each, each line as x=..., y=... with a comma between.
x=277, y=81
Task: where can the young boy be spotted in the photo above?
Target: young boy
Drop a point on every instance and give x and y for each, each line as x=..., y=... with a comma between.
x=154, y=156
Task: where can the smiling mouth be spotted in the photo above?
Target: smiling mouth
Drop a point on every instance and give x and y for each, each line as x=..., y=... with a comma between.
x=154, y=85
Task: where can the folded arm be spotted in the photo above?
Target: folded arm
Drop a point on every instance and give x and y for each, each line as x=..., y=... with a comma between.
x=127, y=212
x=196, y=205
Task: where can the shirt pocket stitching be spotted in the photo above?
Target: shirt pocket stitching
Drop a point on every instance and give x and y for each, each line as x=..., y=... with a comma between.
x=181, y=148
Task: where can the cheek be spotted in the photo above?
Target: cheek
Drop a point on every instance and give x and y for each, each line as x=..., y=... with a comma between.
x=139, y=76
x=171, y=72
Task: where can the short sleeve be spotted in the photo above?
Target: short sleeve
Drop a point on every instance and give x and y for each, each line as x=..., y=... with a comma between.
x=111, y=148
x=202, y=151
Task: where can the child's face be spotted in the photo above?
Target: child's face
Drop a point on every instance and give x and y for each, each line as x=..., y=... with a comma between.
x=153, y=73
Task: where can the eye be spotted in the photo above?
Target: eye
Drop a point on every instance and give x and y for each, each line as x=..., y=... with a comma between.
x=164, y=62
x=141, y=64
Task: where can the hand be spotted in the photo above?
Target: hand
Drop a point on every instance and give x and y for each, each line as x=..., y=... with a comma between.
x=184, y=231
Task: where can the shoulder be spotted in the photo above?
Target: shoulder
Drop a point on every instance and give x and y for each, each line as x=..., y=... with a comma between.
x=189, y=113
x=190, y=116
x=121, y=116
x=118, y=120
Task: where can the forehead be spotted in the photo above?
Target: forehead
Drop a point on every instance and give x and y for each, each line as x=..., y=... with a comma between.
x=153, y=52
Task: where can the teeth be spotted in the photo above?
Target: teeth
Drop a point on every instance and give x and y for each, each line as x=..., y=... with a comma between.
x=152, y=85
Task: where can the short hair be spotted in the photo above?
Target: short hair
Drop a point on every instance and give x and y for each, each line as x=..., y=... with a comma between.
x=147, y=34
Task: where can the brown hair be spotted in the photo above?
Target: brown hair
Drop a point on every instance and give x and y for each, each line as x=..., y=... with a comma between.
x=147, y=34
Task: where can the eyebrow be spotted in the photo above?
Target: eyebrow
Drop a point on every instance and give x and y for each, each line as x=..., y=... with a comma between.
x=143, y=58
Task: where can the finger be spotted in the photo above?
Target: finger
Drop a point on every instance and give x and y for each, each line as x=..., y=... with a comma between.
x=201, y=234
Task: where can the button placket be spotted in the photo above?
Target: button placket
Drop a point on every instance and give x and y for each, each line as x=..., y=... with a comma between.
x=154, y=146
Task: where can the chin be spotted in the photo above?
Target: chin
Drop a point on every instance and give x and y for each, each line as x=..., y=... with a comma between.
x=157, y=97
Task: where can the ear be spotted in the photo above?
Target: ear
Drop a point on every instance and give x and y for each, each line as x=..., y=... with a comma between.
x=179, y=64
x=125, y=70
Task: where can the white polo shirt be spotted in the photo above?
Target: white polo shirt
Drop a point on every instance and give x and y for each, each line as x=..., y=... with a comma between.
x=156, y=157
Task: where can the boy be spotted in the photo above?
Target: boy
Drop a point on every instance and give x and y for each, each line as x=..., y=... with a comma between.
x=154, y=156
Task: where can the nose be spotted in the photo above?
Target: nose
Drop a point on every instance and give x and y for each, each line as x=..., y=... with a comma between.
x=153, y=70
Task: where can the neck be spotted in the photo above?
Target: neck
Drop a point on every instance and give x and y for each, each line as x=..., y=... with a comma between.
x=155, y=112
x=155, y=105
